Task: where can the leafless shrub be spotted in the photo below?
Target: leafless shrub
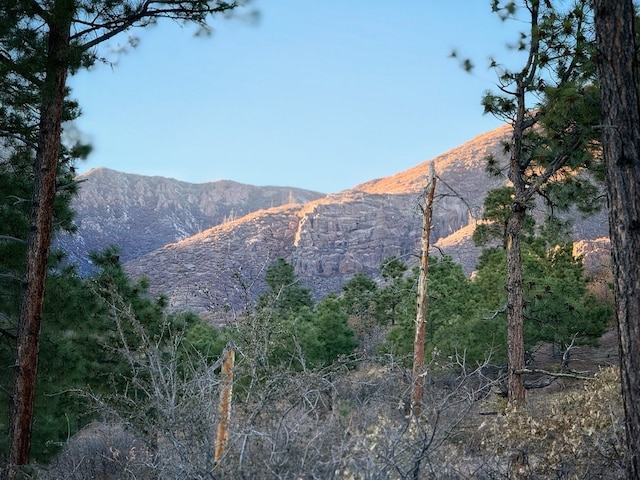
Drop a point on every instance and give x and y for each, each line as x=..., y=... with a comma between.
x=352, y=420
x=168, y=400
x=101, y=451
x=388, y=441
x=579, y=435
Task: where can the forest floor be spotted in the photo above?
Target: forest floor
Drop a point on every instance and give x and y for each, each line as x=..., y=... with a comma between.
x=584, y=360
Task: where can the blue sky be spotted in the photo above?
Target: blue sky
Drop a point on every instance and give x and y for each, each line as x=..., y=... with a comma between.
x=317, y=94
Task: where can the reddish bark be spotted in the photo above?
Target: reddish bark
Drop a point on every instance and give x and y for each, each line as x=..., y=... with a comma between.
x=618, y=73
x=39, y=238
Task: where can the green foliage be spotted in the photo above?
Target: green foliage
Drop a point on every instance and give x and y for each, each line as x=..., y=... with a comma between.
x=468, y=316
x=456, y=315
x=559, y=156
x=79, y=345
x=359, y=302
x=497, y=105
x=558, y=306
x=16, y=173
x=496, y=211
x=35, y=56
x=68, y=362
x=459, y=320
x=553, y=155
x=489, y=277
x=358, y=294
x=23, y=42
x=285, y=294
x=281, y=331
x=205, y=340
x=334, y=334
x=396, y=297
x=14, y=213
x=287, y=329
x=64, y=301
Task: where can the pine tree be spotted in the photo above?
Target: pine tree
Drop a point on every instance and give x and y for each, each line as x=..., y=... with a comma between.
x=334, y=334
x=81, y=343
x=286, y=294
x=618, y=75
x=549, y=141
x=41, y=43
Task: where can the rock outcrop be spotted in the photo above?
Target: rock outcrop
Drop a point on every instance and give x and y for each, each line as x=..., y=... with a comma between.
x=207, y=246
x=140, y=213
x=330, y=239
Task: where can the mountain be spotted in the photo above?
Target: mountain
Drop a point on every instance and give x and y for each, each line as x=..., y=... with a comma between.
x=141, y=214
x=207, y=246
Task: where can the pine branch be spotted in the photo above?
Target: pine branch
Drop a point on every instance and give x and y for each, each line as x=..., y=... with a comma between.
x=173, y=10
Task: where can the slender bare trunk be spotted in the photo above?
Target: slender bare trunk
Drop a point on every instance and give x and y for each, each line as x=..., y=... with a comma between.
x=226, y=389
x=423, y=277
x=618, y=72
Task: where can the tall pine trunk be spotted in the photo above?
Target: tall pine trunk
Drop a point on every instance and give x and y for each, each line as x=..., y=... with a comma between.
x=618, y=72
x=39, y=235
x=515, y=307
x=515, y=223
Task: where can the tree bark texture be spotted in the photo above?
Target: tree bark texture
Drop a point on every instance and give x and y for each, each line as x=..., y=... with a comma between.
x=421, y=316
x=39, y=237
x=515, y=307
x=618, y=73
x=226, y=389
x=515, y=222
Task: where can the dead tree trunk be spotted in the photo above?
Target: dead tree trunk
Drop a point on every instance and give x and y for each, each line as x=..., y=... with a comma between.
x=226, y=389
x=421, y=316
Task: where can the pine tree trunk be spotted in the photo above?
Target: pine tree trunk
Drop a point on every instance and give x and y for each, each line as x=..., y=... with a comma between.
x=39, y=238
x=515, y=223
x=515, y=307
x=618, y=72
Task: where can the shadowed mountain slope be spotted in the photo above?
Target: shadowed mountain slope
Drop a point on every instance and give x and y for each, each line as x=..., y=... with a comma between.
x=141, y=214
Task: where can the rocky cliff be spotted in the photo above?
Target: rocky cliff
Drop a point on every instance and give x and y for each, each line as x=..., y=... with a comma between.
x=329, y=239
x=141, y=214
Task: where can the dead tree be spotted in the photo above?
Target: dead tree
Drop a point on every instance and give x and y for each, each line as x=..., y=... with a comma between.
x=226, y=389
x=421, y=316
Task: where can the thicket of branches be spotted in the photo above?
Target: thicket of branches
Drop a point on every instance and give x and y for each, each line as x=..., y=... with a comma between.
x=351, y=419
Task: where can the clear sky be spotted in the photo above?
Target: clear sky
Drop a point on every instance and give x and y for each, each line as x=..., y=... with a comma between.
x=316, y=94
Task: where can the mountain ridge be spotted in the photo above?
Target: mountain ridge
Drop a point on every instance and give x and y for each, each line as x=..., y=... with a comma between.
x=328, y=238
x=142, y=213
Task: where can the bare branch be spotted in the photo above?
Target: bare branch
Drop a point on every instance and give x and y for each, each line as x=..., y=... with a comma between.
x=11, y=276
x=9, y=238
x=577, y=375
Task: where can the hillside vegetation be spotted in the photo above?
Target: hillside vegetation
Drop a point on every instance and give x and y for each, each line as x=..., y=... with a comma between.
x=322, y=388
